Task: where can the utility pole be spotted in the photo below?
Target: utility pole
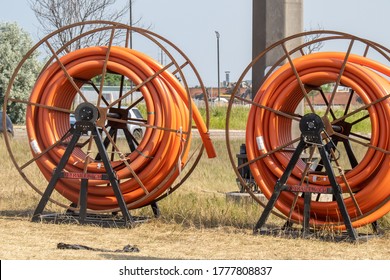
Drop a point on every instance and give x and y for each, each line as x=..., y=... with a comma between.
x=219, y=90
x=131, y=39
x=131, y=23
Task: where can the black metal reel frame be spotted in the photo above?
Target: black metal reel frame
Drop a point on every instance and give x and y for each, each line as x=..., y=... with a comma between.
x=121, y=114
x=245, y=172
x=312, y=126
x=86, y=115
x=177, y=62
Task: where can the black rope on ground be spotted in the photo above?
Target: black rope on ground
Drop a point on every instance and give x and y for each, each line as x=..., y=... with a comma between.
x=126, y=249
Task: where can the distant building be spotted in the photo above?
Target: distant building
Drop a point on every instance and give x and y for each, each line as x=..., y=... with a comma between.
x=340, y=99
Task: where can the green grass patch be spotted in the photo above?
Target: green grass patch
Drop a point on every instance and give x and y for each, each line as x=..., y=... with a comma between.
x=237, y=121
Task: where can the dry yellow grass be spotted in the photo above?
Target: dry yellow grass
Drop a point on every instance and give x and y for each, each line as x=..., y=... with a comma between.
x=196, y=223
x=22, y=239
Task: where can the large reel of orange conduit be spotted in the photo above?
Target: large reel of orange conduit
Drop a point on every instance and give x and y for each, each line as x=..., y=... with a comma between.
x=344, y=81
x=152, y=160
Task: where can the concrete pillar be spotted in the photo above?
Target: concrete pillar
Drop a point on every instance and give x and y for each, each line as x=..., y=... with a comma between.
x=273, y=20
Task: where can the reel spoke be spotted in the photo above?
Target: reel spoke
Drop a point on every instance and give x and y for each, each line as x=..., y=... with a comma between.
x=351, y=92
x=277, y=112
x=280, y=148
x=104, y=72
x=135, y=103
x=48, y=149
x=68, y=76
x=363, y=143
x=58, y=109
x=338, y=81
x=350, y=154
x=91, y=83
x=301, y=84
x=141, y=84
x=365, y=107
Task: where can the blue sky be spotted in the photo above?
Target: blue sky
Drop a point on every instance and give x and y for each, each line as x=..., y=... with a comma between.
x=191, y=24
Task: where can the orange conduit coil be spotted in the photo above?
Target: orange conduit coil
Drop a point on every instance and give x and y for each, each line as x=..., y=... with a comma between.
x=159, y=156
x=369, y=180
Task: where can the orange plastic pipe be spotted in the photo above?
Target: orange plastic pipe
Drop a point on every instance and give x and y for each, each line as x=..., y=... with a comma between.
x=160, y=151
x=370, y=179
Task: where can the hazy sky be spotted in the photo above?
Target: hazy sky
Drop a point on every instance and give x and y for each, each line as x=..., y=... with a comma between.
x=191, y=25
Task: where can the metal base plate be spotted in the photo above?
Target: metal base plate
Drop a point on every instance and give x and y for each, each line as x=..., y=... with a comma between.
x=102, y=220
x=323, y=235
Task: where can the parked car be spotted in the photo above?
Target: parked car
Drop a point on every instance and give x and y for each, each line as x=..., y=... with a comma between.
x=219, y=100
x=9, y=126
x=136, y=130
x=72, y=119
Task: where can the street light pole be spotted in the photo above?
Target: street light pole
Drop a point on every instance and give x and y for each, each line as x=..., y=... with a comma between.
x=131, y=23
x=219, y=90
x=131, y=39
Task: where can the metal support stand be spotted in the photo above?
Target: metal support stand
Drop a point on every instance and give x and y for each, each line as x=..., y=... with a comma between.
x=86, y=115
x=311, y=127
x=245, y=172
x=155, y=209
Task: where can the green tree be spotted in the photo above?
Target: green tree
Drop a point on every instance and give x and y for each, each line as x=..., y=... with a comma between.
x=14, y=44
x=110, y=80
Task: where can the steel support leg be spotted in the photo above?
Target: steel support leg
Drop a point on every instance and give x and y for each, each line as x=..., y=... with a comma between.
x=56, y=175
x=112, y=178
x=279, y=186
x=155, y=209
x=338, y=194
x=306, y=213
x=83, y=200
